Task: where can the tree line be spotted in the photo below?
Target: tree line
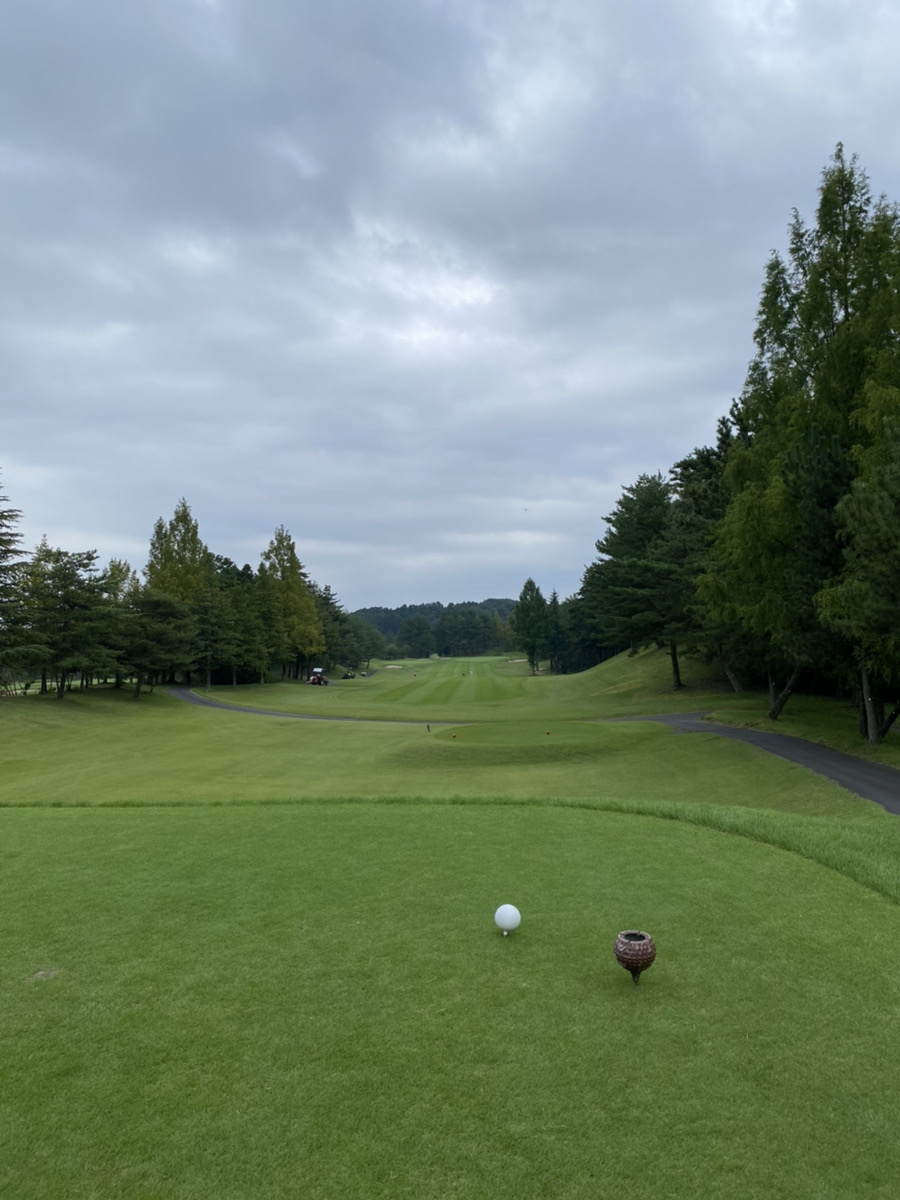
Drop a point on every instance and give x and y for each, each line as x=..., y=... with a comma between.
x=469, y=628
x=64, y=618
x=776, y=551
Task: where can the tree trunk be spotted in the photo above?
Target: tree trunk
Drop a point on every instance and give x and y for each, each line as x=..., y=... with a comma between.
x=890, y=719
x=860, y=712
x=61, y=686
x=730, y=675
x=784, y=695
x=676, y=672
x=43, y=682
x=773, y=694
x=873, y=725
x=137, y=685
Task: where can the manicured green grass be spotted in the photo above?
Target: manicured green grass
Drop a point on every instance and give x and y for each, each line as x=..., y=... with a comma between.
x=500, y=689
x=163, y=751
x=486, y=689
x=254, y=957
x=314, y=1001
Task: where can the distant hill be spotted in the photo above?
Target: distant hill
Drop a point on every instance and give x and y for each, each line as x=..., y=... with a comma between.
x=388, y=620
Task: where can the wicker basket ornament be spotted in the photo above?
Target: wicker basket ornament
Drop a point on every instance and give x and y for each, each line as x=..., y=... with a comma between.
x=635, y=951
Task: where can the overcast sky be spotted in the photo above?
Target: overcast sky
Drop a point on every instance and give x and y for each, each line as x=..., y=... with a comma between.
x=426, y=281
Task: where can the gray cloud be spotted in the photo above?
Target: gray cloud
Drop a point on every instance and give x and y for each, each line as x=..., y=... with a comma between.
x=427, y=282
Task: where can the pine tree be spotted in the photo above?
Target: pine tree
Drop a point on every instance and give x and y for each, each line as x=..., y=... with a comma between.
x=861, y=603
x=529, y=623
x=11, y=631
x=179, y=561
x=825, y=315
x=637, y=593
x=299, y=633
x=66, y=603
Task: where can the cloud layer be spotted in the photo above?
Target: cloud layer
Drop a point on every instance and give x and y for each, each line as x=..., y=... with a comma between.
x=427, y=282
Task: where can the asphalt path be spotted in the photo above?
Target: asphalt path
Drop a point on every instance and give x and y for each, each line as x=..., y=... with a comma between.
x=184, y=693
x=872, y=781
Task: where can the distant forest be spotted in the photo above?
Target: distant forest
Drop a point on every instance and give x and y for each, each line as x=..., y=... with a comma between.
x=417, y=630
x=388, y=620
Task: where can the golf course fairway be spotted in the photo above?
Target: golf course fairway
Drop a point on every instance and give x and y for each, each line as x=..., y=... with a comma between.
x=251, y=956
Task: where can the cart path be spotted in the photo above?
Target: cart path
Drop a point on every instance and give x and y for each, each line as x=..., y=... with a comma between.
x=872, y=781
x=185, y=693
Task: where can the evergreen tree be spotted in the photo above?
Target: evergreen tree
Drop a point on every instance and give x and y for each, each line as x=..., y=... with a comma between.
x=861, y=603
x=825, y=315
x=11, y=616
x=179, y=561
x=66, y=605
x=218, y=646
x=415, y=637
x=366, y=641
x=299, y=634
x=556, y=640
x=160, y=633
x=335, y=627
x=638, y=592
x=529, y=623
x=257, y=607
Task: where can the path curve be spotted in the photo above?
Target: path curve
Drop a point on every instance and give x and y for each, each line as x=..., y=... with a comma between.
x=872, y=781
x=191, y=697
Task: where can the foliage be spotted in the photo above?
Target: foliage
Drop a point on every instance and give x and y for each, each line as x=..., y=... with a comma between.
x=67, y=611
x=299, y=630
x=179, y=561
x=529, y=623
x=823, y=335
x=860, y=604
x=639, y=589
x=388, y=620
x=364, y=642
x=10, y=594
x=416, y=638
x=160, y=634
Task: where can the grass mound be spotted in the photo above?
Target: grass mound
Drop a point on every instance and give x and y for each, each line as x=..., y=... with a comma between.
x=522, y=744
